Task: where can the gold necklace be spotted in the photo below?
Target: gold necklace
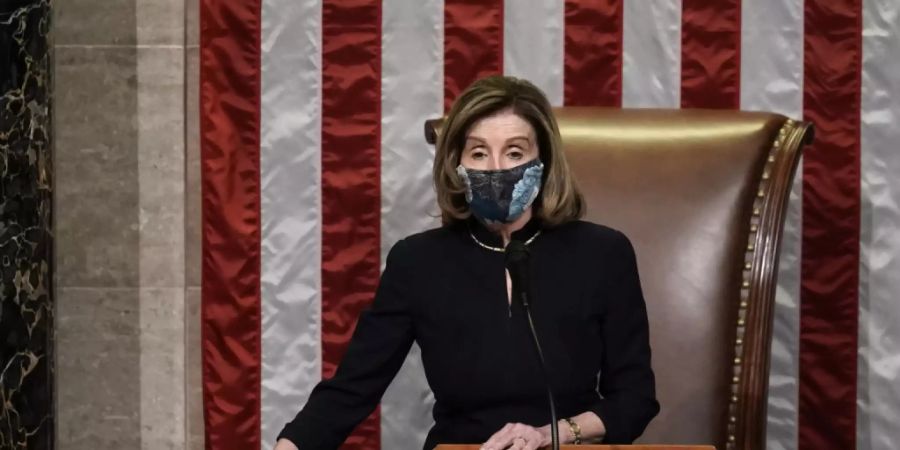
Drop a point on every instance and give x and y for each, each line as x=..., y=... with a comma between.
x=499, y=249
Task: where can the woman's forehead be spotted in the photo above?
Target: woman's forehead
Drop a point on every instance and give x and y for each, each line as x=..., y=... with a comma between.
x=504, y=124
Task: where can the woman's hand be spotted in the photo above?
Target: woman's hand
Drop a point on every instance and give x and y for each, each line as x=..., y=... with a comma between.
x=284, y=444
x=518, y=436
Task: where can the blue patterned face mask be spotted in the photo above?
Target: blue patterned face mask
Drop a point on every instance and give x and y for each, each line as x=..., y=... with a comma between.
x=502, y=196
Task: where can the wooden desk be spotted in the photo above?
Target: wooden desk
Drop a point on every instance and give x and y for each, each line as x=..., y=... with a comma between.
x=593, y=447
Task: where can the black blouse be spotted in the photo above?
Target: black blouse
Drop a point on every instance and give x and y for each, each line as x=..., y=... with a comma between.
x=447, y=293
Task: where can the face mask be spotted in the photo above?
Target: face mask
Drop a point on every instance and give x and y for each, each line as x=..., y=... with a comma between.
x=502, y=196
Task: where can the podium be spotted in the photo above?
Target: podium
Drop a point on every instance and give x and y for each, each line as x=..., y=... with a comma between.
x=592, y=447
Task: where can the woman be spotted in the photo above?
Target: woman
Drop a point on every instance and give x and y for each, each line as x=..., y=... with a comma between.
x=500, y=175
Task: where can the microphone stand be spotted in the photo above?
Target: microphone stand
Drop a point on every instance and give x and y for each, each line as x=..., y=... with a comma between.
x=517, y=255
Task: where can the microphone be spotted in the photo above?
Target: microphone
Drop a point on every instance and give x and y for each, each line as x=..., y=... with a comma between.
x=517, y=263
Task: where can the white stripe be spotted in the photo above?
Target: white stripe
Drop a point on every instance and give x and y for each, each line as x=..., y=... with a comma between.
x=533, y=44
x=412, y=90
x=651, y=47
x=772, y=80
x=290, y=140
x=879, y=332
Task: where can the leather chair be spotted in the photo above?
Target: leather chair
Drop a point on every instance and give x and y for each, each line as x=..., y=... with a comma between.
x=702, y=195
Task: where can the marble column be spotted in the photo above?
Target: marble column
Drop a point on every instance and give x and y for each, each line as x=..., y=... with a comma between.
x=26, y=173
x=120, y=141
x=193, y=388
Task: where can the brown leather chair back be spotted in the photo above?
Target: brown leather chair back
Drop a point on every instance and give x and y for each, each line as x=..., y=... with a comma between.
x=702, y=196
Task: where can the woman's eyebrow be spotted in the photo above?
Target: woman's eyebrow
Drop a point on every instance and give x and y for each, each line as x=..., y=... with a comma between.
x=519, y=137
x=514, y=138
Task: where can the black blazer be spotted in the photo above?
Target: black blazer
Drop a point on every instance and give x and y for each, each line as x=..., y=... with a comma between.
x=445, y=291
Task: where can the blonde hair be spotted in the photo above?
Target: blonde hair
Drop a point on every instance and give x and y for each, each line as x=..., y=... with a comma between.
x=559, y=200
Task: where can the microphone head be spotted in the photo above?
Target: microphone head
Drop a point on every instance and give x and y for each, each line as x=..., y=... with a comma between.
x=516, y=253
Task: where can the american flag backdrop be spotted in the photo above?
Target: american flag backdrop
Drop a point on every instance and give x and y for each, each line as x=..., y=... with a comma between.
x=314, y=164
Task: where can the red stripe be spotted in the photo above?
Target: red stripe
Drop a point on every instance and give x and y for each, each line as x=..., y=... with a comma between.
x=829, y=286
x=710, y=54
x=593, y=52
x=229, y=139
x=351, y=180
x=473, y=43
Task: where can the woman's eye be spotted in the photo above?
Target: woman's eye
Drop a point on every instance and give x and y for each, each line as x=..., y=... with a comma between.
x=477, y=155
x=515, y=154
